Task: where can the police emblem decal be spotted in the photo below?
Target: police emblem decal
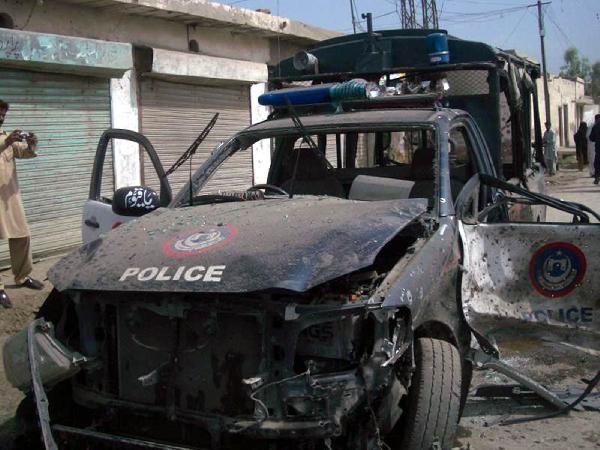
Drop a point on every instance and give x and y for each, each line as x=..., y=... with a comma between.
x=556, y=269
x=199, y=240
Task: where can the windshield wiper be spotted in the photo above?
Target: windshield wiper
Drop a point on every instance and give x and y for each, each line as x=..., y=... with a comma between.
x=187, y=155
x=306, y=138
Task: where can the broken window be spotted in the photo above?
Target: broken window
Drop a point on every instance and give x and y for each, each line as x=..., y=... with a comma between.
x=353, y=164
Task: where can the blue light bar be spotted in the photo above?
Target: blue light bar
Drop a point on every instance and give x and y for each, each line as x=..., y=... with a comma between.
x=323, y=93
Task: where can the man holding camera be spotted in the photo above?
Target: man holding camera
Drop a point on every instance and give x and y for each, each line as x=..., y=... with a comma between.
x=13, y=224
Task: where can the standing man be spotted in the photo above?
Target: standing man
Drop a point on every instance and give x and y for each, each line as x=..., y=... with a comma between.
x=550, y=154
x=13, y=224
x=595, y=138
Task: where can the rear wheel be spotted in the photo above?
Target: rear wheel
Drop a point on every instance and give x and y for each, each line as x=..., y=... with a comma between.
x=434, y=398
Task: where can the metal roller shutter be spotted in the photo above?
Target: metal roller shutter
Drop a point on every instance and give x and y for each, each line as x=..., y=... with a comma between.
x=174, y=114
x=68, y=114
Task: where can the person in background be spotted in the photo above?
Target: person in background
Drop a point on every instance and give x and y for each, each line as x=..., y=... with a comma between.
x=13, y=224
x=550, y=151
x=590, y=151
x=595, y=138
x=581, y=141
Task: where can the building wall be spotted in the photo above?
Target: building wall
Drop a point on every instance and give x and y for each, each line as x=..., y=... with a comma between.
x=230, y=48
x=70, y=20
x=563, y=95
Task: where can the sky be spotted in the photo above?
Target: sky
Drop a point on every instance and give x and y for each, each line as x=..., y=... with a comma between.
x=501, y=23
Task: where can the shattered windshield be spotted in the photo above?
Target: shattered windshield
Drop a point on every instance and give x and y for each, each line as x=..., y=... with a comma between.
x=365, y=165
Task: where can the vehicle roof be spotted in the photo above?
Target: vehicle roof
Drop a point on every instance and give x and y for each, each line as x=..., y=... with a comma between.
x=353, y=118
x=398, y=51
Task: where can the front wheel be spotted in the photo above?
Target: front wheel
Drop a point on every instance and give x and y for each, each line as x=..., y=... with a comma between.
x=433, y=403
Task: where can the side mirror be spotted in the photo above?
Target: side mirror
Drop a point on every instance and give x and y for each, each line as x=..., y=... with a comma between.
x=135, y=201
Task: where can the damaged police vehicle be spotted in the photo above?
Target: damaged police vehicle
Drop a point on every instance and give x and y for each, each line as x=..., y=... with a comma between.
x=331, y=306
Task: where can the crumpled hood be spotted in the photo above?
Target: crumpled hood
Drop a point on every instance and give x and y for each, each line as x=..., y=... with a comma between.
x=291, y=244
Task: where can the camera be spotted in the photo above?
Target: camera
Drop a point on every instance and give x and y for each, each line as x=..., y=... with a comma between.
x=24, y=134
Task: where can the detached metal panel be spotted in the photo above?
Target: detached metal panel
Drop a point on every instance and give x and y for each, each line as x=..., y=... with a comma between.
x=174, y=114
x=68, y=114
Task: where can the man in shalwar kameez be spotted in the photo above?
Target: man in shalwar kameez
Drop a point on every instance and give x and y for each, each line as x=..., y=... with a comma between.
x=550, y=150
x=13, y=224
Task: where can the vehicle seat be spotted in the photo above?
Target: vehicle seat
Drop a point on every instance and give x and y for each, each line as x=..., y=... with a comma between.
x=365, y=187
x=422, y=172
x=312, y=176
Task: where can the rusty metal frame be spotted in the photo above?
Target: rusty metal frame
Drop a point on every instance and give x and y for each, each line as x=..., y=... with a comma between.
x=41, y=400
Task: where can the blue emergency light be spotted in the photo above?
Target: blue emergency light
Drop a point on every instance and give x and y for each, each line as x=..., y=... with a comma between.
x=323, y=93
x=437, y=48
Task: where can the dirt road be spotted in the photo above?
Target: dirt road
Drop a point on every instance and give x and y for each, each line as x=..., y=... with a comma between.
x=26, y=303
x=556, y=364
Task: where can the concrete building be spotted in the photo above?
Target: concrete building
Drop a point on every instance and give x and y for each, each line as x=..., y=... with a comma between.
x=73, y=68
x=568, y=106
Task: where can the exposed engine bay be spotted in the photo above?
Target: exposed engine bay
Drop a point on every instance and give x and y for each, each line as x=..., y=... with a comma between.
x=270, y=365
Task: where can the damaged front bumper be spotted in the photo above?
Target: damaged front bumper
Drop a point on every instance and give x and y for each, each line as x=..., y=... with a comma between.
x=319, y=407
x=34, y=358
x=309, y=380
x=56, y=362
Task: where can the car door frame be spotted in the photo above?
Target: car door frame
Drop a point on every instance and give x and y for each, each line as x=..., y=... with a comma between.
x=506, y=267
x=165, y=194
x=105, y=219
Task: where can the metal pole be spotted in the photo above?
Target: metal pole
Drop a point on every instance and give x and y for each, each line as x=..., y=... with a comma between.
x=425, y=11
x=353, y=17
x=545, y=72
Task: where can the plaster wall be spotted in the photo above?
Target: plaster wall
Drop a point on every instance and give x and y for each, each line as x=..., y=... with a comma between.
x=261, y=151
x=202, y=68
x=125, y=114
x=70, y=20
x=563, y=94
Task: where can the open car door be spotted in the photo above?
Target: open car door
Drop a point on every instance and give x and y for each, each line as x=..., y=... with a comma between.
x=101, y=214
x=539, y=279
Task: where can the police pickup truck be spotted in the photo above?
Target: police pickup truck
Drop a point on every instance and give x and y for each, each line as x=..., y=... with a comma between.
x=332, y=306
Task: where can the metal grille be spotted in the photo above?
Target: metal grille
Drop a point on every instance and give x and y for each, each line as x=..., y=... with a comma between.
x=68, y=114
x=468, y=82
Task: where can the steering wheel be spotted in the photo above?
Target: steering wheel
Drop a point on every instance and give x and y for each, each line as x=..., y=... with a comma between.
x=272, y=187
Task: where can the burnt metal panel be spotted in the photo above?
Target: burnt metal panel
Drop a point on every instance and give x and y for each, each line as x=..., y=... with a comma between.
x=68, y=114
x=173, y=114
x=291, y=244
x=215, y=352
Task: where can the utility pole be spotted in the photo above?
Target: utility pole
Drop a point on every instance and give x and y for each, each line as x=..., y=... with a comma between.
x=545, y=72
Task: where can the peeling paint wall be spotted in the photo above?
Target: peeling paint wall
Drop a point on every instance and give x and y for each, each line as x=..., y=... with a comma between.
x=70, y=20
x=54, y=53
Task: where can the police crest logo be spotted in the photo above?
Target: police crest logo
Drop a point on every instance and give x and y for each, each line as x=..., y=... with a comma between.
x=556, y=269
x=199, y=240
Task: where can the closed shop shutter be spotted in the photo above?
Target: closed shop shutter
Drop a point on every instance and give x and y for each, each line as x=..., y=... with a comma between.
x=174, y=114
x=68, y=114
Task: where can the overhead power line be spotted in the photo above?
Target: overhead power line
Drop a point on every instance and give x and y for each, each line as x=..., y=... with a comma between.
x=515, y=28
x=459, y=16
x=565, y=36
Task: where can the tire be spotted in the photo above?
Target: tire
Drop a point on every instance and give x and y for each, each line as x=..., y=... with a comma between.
x=434, y=397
